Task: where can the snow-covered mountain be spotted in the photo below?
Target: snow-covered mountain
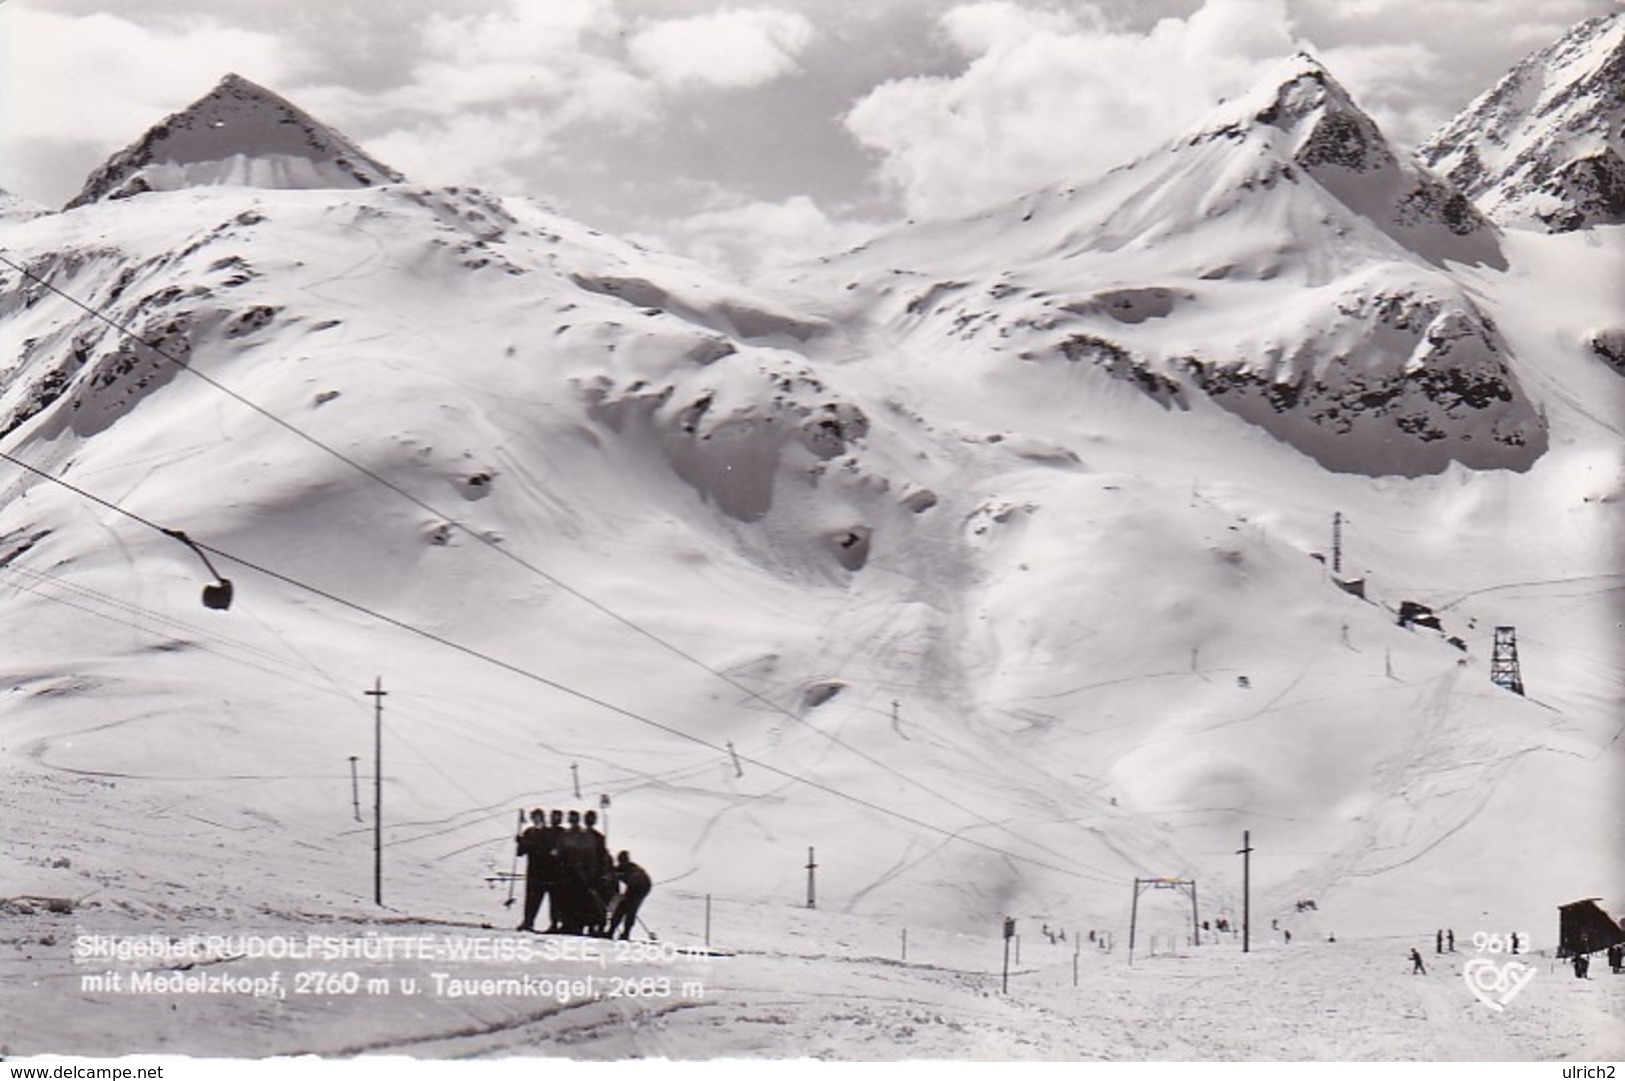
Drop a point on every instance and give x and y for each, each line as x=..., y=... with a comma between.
x=999, y=553
x=1280, y=261
x=240, y=134
x=15, y=206
x=1545, y=146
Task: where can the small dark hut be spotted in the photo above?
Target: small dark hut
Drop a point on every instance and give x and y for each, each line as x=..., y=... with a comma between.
x=1583, y=927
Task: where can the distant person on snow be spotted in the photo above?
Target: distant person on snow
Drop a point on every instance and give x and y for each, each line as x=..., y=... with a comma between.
x=1582, y=966
x=1616, y=958
x=1450, y=941
x=636, y=881
x=1438, y=942
x=1416, y=964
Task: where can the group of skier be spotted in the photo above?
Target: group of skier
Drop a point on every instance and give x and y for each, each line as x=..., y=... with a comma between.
x=568, y=864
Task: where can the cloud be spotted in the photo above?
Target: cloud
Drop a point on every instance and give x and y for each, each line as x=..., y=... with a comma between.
x=758, y=234
x=1393, y=83
x=491, y=97
x=523, y=31
x=730, y=49
x=1048, y=96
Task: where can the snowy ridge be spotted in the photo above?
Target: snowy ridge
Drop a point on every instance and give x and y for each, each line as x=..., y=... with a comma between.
x=1341, y=147
x=1281, y=262
x=15, y=206
x=237, y=134
x=1546, y=145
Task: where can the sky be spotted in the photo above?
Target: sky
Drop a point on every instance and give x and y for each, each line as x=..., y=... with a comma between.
x=736, y=131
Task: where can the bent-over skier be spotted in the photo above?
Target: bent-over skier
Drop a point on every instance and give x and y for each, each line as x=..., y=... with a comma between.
x=637, y=883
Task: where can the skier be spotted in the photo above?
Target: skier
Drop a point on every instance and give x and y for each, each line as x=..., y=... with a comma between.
x=1416, y=964
x=1582, y=966
x=637, y=888
x=536, y=845
x=1514, y=942
x=1616, y=958
x=1438, y=942
x=1450, y=941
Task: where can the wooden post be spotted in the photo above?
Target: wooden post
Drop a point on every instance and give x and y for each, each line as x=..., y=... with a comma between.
x=355, y=787
x=1009, y=933
x=812, y=884
x=377, y=695
x=905, y=943
x=1196, y=926
x=708, y=920
x=1133, y=920
x=575, y=779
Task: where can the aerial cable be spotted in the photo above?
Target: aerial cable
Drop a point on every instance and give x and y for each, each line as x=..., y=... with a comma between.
x=536, y=677
x=506, y=553
x=127, y=614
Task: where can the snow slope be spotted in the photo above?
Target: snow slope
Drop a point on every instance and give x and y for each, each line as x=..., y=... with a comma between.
x=1546, y=145
x=995, y=635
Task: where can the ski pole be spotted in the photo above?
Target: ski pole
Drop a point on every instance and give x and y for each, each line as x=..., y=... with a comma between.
x=513, y=868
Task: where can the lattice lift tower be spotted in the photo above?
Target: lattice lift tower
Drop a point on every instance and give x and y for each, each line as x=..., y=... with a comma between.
x=1504, y=660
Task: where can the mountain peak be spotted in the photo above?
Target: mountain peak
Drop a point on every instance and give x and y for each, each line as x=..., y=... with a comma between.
x=1302, y=114
x=1546, y=145
x=238, y=134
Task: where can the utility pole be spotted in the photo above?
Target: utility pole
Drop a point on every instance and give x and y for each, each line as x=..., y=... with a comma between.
x=1337, y=543
x=603, y=814
x=575, y=779
x=377, y=695
x=1246, y=854
x=812, y=892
